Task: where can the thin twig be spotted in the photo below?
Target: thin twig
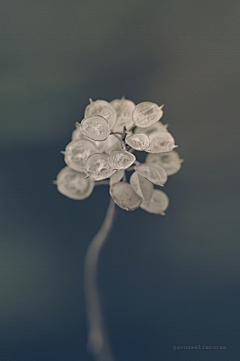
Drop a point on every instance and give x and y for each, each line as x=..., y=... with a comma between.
x=98, y=344
x=101, y=183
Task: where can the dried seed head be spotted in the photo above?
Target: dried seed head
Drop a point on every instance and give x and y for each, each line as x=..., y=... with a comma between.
x=102, y=147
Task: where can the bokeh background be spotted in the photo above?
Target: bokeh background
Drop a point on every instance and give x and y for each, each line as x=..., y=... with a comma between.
x=165, y=281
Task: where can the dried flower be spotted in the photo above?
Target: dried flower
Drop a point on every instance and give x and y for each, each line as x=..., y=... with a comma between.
x=102, y=147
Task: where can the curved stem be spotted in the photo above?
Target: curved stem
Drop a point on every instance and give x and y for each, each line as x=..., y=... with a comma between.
x=101, y=183
x=98, y=344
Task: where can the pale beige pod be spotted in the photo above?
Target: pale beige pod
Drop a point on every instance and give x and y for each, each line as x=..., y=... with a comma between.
x=161, y=142
x=146, y=114
x=157, y=204
x=116, y=177
x=124, y=196
x=103, y=108
x=137, y=141
x=74, y=184
x=112, y=142
x=95, y=127
x=170, y=161
x=121, y=159
x=124, y=109
x=154, y=173
x=77, y=134
x=97, y=167
x=142, y=186
x=77, y=152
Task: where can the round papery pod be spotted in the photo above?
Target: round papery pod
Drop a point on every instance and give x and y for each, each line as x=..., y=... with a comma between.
x=160, y=142
x=103, y=108
x=154, y=173
x=157, y=204
x=137, y=141
x=116, y=177
x=142, y=186
x=77, y=134
x=121, y=159
x=95, y=127
x=170, y=161
x=77, y=152
x=156, y=127
x=124, y=109
x=98, y=167
x=74, y=184
x=112, y=142
x=146, y=114
x=124, y=196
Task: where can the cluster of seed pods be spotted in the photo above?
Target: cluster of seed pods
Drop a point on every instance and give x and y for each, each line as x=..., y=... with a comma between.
x=103, y=145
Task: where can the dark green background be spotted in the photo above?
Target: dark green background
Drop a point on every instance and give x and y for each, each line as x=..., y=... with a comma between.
x=165, y=281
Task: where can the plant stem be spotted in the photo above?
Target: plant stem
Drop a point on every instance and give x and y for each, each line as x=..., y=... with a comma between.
x=98, y=344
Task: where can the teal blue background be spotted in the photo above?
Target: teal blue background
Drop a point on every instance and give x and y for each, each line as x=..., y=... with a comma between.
x=164, y=281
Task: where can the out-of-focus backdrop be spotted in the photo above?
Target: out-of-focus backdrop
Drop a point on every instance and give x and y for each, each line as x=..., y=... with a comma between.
x=165, y=281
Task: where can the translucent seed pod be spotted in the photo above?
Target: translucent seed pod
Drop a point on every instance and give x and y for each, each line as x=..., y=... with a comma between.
x=95, y=127
x=77, y=152
x=117, y=177
x=124, y=196
x=156, y=127
x=137, y=141
x=161, y=142
x=103, y=108
x=121, y=159
x=77, y=134
x=74, y=184
x=98, y=167
x=146, y=114
x=154, y=173
x=111, y=143
x=157, y=204
x=124, y=109
x=142, y=186
x=170, y=161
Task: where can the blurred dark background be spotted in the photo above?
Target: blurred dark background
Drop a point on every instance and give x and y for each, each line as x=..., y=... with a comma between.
x=165, y=281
